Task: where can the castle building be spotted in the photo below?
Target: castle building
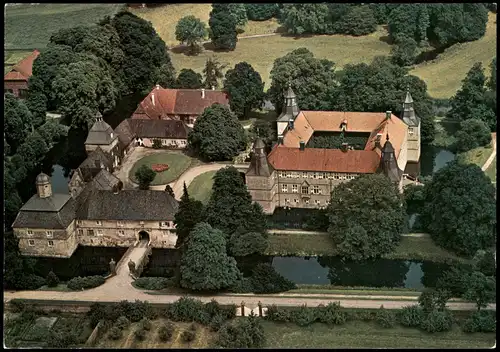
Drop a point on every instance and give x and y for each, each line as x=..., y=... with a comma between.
x=300, y=173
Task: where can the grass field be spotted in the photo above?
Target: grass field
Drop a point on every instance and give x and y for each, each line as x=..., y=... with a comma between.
x=410, y=248
x=201, y=187
x=30, y=26
x=492, y=170
x=476, y=156
x=357, y=334
x=203, y=338
x=178, y=163
x=444, y=75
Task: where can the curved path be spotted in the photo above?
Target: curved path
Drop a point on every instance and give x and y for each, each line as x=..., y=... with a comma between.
x=493, y=154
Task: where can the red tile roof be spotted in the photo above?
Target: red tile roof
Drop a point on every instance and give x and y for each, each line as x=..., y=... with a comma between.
x=23, y=69
x=327, y=160
x=177, y=102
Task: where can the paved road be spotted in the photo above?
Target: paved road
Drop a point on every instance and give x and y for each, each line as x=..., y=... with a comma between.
x=129, y=161
x=303, y=232
x=239, y=37
x=493, y=154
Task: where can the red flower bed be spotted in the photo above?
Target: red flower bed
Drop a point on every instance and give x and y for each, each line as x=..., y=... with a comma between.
x=159, y=167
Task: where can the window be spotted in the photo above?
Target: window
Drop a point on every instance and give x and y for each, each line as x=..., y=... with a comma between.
x=317, y=202
x=336, y=176
x=165, y=233
x=50, y=243
x=330, y=176
x=295, y=189
x=305, y=190
x=98, y=222
x=284, y=188
x=99, y=232
x=90, y=232
x=80, y=232
x=306, y=201
x=183, y=142
x=29, y=233
x=313, y=175
x=410, y=131
x=282, y=173
x=164, y=141
x=327, y=202
x=304, y=174
x=79, y=222
x=316, y=190
x=119, y=223
x=287, y=200
x=31, y=243
x=296, y=200
x=50, y=234
x=325, y=175
x=121, y=233
x=320, y=175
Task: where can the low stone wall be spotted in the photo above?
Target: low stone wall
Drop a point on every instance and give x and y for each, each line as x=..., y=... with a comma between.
x=94, y=336
x=244, y=311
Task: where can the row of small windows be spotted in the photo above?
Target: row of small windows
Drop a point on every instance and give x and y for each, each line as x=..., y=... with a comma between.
x=121, y=223
x=317, y=175
x=306, y=201
x=303, y=189
x=100, y=233
x=31, y=243
x=49, y=234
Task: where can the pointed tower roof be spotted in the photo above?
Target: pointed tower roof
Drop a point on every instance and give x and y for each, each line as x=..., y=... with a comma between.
x=101, y=133
x=388, y=163
x=259, y=165
x=290, y=109
x=409, y=117
x=289, y=92
x=259, y=144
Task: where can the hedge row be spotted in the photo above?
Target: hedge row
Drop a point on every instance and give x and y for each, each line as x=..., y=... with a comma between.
x=79, y=283
x=153, y=283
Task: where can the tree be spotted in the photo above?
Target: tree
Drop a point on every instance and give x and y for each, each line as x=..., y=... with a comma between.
x=358, y=21
x=145, y=53
x=431, y=300
x=310, y=78
x=366, y=217
x=188, y=79
x=217, y=134
x=189, y=213
x=230, y=207
x=459, y=210
x=222, y=28
x=245, y=88
x=414, y=198
x=205, y=264
x=213, y=71
x=402, y=21
x=472, y=134
x=261, y=12
x=480, y=289
x=191, y=31
x=18, y=121
x=170, y=191
x=52, y=279
x=305, y=18
x=405, y=51
x=470, y=101
x=246, y=332
x=82, y=88
x=492, y=83
x=248, y=243
x=265, y=279
x=238, y=11
x=485, y=262
x=144, y=176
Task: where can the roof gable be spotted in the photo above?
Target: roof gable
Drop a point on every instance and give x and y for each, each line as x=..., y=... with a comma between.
x=23, y=69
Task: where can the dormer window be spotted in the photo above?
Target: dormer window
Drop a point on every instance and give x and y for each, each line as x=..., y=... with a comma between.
x=50, y=234
x=98, y=222
x=29, y=232
x=410, y=131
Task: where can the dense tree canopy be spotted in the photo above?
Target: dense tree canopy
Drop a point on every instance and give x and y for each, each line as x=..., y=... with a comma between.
x=404, y=51
x=459, y=210
x=241, y=245
x=144, y=175
x=145, y=53
x=18, y=121
x=366, y=217
x=480, y=289
x=473, y=133
x=222, y=27
x=230, y=207
x=217, y=134
x=245, y=88
x=188, y=79
x=470, y=102
x=359, y=20
x=191, y=31
x=205, y=264
x=305, y=18
x=238, y=11
x=189, y=213
x=213, y=72
x=261, y=12
x=310, y=79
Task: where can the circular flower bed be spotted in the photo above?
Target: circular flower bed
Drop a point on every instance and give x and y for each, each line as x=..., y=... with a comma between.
x=159, y=167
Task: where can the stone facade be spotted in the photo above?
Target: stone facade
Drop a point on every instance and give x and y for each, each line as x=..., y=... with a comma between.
x=165, y=142
x=18, y=88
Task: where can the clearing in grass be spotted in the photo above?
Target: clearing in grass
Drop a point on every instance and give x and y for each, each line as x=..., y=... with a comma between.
x=177, y=163
x=476, y=156
x=491, y=171
x=358, y=334
x=201, y=187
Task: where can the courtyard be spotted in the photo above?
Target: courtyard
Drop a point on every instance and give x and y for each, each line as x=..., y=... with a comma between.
x=177, y=163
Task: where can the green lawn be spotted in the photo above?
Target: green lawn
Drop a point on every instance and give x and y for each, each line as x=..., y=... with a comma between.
x=201, y=187
x=491, y=172
x=358, y=334
x=30, y=26
x=476, y=156
x=13, y=57
x=410, y=248
x=178, y=163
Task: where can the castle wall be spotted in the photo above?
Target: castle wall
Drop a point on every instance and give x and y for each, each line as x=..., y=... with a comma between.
x=263, y=189
x=414, y=146
x=403, y=154
x=125, y=233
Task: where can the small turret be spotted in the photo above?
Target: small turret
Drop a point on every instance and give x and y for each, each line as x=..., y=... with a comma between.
x=290, y=111
x=259, y=165
x=409, y=117
x=388, y=163
x=43, y=186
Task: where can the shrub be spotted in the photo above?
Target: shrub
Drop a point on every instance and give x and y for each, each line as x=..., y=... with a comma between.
x=362, y=315
x=156, y=143
x=229, y=311
x=62, y=339
x=187, y=310
x=152, y=283
x=213, y=308
x=481, y=321
x=277, y=314
x=331, y=314
x=140, y=334
x=244, y=333
x=385, y=318
x=122, y=323
x=78, y=283
x=145, y=324
x=217, y=322
x=437, y=321
x=265, y=279
x=115, y=333
x=17, y=305
x=31, y=282
x=303, y=316
x=166, y=331
x=138, y=310
x=188, y=336
x=52, y=279
x=243, y=285
x=411, y=316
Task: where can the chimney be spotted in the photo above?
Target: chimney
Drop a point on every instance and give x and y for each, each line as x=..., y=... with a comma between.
x=153, y=99
x=302, y=145
x=290, y=124
x=202, y=93
x=388, y=115
x=344, y=147
x=157, y=86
